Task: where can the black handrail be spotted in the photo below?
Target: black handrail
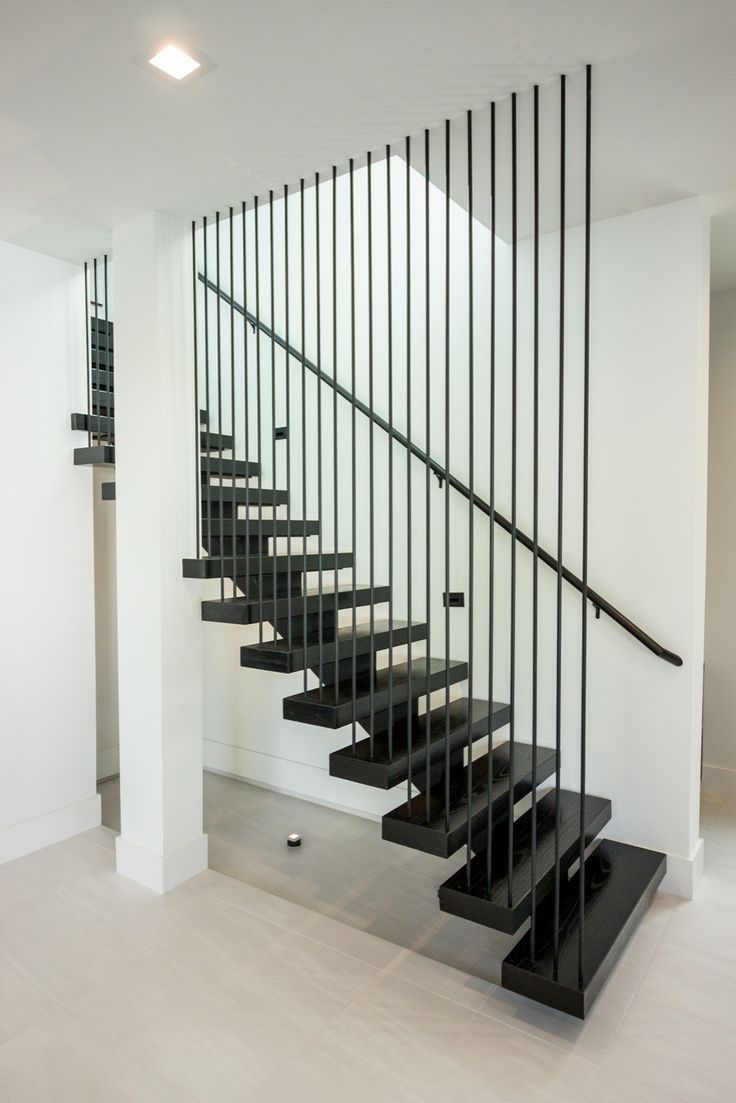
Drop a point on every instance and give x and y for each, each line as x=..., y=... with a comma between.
x=599, y=603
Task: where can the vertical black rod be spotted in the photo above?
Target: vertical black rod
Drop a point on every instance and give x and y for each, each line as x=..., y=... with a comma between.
x=97, y=343
x=219, y=404
x=427, y=481
x=233, y=481
x=560, y=489
x=371, y=492
x=89, y=359
x=390, y=383
x=447, y=472
x=471, y=487
x=353, y=466
x=107, y=357
x=207, y=403
x=302, y=314
x=197, y=428
x=287, y=384
x=318, y=286
x=408, y=478
x=246, y=411
x=492, y=504
x=335, y=468
x=259, y=434
x=512, y=632
x=274, y=481
x=584, y=597
x=535, y=530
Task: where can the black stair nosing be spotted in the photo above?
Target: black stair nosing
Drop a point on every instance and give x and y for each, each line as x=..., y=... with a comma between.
x=265, y=527
x=98, y=424
x=620, y=883
x=473, y=902
x=101, y=324
x=231, y=469
x=408, y=826
x=382, y=770
x=241, y=610
x=243, y=495
x=108, y=492
x=215, y=442
x=104, y=399
x=104, y=377
x=102, y=455
x=276, y=656
x=334, y=711
x=253, y=564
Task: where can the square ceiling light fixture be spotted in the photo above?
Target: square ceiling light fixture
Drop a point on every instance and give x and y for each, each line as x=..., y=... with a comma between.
x=174, y=61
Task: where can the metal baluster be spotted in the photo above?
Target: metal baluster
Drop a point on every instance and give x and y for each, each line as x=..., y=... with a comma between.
x=89, y=358
x=447, y=474
x=353, y=467
x=514, y=437
x=97, y=340
x=110, y=395
x=335, y=469
x=304, y=425
x=234, y=481
x=371, y=496
x=259, y=433
x=584, y=600
x=207, y=388
x=288, y=412
x=319, y=428
x=409, y=700
x=219, y=403
x=535, y=537
x=560, y=489
x=390, y=329
x=427, y=483
x=197, y=427
x=274, y=544
x=491, y=506
x=246, y=411
x=471, y=487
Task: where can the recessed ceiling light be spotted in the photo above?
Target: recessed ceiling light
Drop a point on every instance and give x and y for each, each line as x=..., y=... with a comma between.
x=175, y=62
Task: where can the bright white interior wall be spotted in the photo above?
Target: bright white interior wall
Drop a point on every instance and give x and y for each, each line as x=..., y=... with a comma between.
x=106, y=630
x=649, y=382
x=719, y=728
x=47, y=656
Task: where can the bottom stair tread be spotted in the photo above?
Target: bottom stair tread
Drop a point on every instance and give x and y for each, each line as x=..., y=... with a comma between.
x=620, y=882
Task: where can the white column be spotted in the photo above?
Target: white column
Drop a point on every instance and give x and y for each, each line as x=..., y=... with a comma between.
x=159, y=627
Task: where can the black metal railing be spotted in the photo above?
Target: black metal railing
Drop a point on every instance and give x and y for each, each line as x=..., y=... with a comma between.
x=98, y=329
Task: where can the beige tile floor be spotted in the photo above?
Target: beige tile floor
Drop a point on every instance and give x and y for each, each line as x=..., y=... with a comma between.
x=221, y=991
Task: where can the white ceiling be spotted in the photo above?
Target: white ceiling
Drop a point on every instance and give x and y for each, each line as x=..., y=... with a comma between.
x=91, y=135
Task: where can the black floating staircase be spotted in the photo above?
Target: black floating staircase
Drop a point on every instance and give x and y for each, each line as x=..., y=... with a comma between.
x=487, y=799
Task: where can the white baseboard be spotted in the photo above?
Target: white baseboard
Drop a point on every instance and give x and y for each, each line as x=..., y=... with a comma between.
x=51, y=827
x=684, y=874
x=161, y=872
x=719, y=780
x=108, y=763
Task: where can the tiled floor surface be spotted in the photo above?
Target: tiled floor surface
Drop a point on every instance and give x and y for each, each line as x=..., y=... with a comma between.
x=221, y=992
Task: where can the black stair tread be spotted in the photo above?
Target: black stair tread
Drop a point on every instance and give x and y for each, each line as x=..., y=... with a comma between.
x=265, y=527
x=255, y=564
x=278, y=656
x=331, y=707
x=108, y=492
x=99, y=424
x=101, y=324
x=215, y=442
x=620, y=882
x=383, y=770
x=104, y=378
x=474, y=902
x=243, y=495
x=103, y=399
x=239, y=469
x=409, y=825
x=240, y=610
x=96, y=455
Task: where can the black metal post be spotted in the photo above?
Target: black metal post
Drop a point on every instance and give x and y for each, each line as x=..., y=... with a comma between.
x=447, y=471
x=259, y=433
x=408, y=479
x=514, y=436
x=197, y=427
x=390, y=337
x=471, y=509
x=491, y=507
x=535, y=531
x=302, y=314
x=274, y=480
x=219, y=406
x=207, y=389
x=427, y=480
x=320, y=584
x=353, y=469
x=371, y=489
x=234, y=480
x=287, y=386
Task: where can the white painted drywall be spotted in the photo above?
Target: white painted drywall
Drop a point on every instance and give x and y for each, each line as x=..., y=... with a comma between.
x=47, y=649
x=648, y=453
x=719, y=713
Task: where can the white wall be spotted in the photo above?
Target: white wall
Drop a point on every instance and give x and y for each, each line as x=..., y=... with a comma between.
x=106, y=630
x=47, y=656
x=719, y=713
x=648, y=410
